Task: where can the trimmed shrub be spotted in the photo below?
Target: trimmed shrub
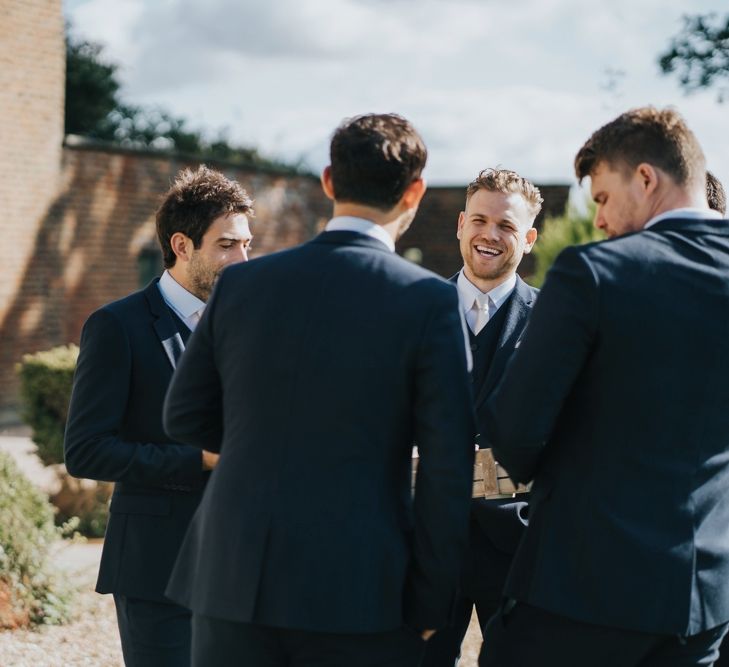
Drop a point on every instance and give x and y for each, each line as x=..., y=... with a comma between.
x=31, y=591
x=572, y=228
x=46, y=379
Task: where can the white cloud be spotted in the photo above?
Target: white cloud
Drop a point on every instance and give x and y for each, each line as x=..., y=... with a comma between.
x=520, y=84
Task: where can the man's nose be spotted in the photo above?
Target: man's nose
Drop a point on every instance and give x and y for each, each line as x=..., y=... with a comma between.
x=490, y=231
x=241, y=254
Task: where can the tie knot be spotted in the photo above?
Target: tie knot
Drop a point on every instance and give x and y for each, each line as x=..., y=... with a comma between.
x=482, y=302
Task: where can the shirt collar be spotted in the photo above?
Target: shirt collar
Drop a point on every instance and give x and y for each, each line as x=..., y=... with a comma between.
x=178, y=298
x=685, y=213
x=348, y=223
x=467, y=291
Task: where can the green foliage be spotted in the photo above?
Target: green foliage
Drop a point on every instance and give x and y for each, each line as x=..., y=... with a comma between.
x=94, y=109
x=46, y=379
x=91, y=87
x=572, y=228
x=699, y=53
x=38, y=593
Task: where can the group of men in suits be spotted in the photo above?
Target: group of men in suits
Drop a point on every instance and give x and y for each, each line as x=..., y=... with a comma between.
x=313, y=371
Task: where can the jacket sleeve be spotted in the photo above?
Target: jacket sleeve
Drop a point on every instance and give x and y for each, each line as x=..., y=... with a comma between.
x=519, y=417
x=93, y=446
x=193, y=411
x=444, y=426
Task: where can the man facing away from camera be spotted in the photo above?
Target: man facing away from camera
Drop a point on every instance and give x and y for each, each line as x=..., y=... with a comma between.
x=129, y=349
x=623, y=373
x=308, y=547
x=495, y=231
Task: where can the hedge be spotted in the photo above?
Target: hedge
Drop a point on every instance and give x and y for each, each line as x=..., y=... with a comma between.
x=46, y=379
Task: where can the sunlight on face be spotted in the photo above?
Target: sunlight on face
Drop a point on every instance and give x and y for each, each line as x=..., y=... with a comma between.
x=614, y=192
x=495, y=231
x=226, y=242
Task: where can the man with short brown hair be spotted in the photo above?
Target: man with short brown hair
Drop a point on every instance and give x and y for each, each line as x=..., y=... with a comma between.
x=618, y=397
x=308, y=548
x=129, y=349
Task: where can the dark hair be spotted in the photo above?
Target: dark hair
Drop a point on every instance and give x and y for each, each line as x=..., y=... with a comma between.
x=715, y=195
x=374, y=158
x=195, y=199
x=659, y=137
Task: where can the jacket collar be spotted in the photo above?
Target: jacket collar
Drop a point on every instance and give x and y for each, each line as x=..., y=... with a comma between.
x=164, y=325
x=717, y=226
x=352, y=239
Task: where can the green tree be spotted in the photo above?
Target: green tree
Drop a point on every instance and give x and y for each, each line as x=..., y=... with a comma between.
x=571, y=228
x=699, y=54
x=94, y=109
x=91, y=88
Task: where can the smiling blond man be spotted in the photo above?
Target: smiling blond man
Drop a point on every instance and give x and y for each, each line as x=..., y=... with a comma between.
x=495, y=231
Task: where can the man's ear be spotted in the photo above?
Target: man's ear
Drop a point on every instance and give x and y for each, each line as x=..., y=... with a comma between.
x=413, y=194
x=182, y=246
x=647, y=177
x=461, y=221
x=326, y=182
x=531, y=237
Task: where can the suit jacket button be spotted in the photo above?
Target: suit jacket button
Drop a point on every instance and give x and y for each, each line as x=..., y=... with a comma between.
x=474, y=347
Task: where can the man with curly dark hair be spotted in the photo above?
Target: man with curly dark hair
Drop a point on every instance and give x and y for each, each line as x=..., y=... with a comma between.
x=129, y=349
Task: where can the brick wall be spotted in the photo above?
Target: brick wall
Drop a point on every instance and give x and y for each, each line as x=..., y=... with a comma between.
x=85, y=251
x=433, y=232
x=32, y=71
x=77, y=220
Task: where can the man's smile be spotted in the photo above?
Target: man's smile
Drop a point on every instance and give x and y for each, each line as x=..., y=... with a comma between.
x=487, y=251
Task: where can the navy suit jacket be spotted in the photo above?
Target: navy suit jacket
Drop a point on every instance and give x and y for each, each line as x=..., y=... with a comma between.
x=313, y=371
x=616, y=406
x=114, y=432
x=503, y=521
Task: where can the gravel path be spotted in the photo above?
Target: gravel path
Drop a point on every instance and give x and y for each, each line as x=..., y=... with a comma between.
x=92, y=639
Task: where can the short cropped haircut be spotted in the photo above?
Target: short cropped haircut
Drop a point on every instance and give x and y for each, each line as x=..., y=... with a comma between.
x=715, y=195
x=195, y=199
x=507, y=181
x=659, y=137
x=374, y=158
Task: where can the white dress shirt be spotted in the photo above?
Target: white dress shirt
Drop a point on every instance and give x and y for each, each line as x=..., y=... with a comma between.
x=185, y=305
x=470, y=296
x=348, y=223
x=690, y=213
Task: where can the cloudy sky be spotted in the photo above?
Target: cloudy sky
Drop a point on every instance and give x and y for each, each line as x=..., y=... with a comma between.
x=516, y=83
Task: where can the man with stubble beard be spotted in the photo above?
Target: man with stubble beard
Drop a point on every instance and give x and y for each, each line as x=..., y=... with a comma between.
x=495, y=232
x=129, y=349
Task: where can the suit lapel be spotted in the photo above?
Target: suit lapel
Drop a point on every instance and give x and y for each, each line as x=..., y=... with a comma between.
x=519, y=305
x=164, y=325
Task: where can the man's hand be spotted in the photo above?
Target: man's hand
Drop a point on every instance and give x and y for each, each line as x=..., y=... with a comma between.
x=209, y=459
x=427, y=634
